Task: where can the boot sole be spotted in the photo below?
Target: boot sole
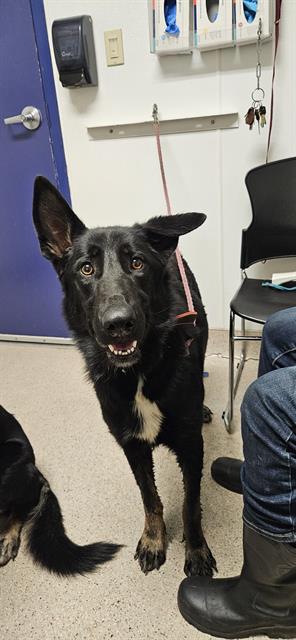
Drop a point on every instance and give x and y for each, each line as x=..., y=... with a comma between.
x=278, y=632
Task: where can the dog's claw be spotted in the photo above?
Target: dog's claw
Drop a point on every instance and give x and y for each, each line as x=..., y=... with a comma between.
x=9, y=547
x=200, y=562
x=149, y=559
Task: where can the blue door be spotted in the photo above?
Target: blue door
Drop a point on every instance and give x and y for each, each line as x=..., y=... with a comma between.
x=30, y=294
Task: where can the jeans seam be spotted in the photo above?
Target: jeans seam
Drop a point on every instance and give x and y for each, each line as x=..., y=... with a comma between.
x=290, y=501
x=282, y=354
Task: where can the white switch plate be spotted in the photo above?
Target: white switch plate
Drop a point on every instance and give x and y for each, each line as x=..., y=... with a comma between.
x=114, y=47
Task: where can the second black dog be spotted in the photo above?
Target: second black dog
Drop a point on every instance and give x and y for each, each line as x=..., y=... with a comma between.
x=122, y=293
x=27, y=503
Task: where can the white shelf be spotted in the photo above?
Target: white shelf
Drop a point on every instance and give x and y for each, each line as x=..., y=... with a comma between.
x=177, y=125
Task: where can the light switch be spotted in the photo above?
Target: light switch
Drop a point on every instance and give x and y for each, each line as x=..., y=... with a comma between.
x=114, y=47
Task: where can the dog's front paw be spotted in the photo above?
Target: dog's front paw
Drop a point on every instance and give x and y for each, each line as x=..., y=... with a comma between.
x=199, y=561
x=150, y=554
x=9, y=546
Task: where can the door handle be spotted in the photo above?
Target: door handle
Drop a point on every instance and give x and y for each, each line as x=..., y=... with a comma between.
x=30, y=118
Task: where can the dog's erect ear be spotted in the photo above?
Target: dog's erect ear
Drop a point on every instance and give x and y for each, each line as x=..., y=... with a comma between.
x=55, y=222
x=163, y=232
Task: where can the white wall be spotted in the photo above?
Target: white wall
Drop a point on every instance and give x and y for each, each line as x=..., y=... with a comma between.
x=114, y=182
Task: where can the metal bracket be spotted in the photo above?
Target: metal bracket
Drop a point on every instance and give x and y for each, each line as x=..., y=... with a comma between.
x=9, y=337
x=177, y=125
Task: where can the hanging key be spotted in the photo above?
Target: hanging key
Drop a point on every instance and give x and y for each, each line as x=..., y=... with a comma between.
x=257, y=116
x=262, y=113
x=249, y=117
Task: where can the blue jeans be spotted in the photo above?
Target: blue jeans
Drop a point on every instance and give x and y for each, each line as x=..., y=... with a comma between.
x=268, y=415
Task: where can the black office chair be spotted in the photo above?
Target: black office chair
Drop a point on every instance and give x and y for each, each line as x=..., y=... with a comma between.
x=271, y=234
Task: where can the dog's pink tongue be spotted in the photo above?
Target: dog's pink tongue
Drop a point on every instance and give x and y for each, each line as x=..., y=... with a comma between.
x=123, y=346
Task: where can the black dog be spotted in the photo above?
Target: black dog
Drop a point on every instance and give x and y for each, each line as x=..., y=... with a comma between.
x=122, y=293
x=26, y=500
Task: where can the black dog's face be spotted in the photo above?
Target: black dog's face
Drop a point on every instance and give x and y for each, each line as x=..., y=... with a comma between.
x=112, y=277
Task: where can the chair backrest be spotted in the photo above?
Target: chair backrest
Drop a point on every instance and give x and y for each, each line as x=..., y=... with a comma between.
x=272, y=232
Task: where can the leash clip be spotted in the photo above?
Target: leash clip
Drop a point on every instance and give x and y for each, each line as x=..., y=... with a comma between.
x=187, y=323
x=187, y=318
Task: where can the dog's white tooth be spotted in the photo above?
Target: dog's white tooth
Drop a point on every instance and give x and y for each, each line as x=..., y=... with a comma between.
x=122, y=353
x=135, y=344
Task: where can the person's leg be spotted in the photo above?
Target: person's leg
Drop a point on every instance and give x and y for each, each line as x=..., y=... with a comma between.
x=262, y=600
x=268, y=475
x=278, y=346
x=278, y=350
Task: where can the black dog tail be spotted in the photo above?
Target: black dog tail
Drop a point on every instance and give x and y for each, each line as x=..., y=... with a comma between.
x=51, y=548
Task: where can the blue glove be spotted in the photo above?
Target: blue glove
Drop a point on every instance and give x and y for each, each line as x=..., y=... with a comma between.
x=170, y=11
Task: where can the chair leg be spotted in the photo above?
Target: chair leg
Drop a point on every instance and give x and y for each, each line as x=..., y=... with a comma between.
x=244, y=344
x=233, y=381
x=228, y=413
x=242, y=358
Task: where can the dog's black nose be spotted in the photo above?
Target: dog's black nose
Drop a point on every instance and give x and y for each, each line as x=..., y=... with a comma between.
x=119, y=323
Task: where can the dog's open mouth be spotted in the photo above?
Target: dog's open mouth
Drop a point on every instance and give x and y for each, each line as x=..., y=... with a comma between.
x=123, y=349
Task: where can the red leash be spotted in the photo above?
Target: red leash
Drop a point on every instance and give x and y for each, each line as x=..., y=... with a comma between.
x=278, y=7
x=191, y=313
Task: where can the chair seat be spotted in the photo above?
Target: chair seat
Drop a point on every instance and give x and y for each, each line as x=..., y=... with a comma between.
x=256, y=303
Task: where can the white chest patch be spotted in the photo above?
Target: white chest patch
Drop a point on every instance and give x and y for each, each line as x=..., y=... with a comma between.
x=149, y=414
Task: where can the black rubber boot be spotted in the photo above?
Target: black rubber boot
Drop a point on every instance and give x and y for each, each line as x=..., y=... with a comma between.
x=261, y=601
x=226, y=472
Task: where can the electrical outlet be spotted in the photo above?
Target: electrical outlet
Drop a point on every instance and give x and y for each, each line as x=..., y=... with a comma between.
x=114, y=47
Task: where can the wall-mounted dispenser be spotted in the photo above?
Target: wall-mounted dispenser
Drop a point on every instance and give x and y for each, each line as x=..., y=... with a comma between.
x=247, y=21
x=213, y=24
x=74, y=51
x=178, y=25
x=170, y=26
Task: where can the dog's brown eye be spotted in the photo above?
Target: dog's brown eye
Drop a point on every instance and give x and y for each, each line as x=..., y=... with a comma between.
x=87, y=269
x=137, y=264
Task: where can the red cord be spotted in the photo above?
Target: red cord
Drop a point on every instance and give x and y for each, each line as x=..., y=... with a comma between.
x=278, y=7
x=169, y=211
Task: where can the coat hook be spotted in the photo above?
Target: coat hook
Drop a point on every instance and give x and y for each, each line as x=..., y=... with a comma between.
x=155, y=113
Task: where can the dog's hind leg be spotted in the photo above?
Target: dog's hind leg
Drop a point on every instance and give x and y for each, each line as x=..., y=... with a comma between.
x=151, y=549
x=198, y=557
x=10, y=539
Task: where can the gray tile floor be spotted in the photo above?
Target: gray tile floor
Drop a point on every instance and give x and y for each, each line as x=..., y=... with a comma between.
x=45, y=387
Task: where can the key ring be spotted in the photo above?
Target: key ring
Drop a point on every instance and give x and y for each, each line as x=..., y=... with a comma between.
x=262, y=93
